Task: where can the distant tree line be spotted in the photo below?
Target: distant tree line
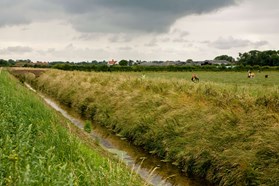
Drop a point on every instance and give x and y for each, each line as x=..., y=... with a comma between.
x=171, y=68
x=7, y=63
x=261, y=58
x=225, y=57
x=252, y=60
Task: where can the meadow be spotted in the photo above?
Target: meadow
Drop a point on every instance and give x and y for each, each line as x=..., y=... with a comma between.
x=40, y=147
x=224, y=128
x=233, y=78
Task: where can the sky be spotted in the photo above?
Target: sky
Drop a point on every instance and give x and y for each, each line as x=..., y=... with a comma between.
x=86, y=30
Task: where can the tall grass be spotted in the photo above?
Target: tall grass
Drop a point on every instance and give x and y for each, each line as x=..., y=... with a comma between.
x=234, y=78
x=35, y=148
x=227, y=134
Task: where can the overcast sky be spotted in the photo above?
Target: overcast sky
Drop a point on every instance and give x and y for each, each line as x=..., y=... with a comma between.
x=85, y=30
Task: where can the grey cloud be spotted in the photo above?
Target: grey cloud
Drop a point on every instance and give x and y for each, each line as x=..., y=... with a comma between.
x=167, y=6
x=88, y=36
x=107, y=15
x=51, y=50
x=205, y=42
x=134, y=16
x=74, y=53
x=180, y=33
x=116, y=38
x=165, y=39
x=227, y=43
x=230, y=42
x=180, y=40
x=16, y=12
x=7, y=18
x=184, y=33
x=151, y=43
x=260, y=43
x=125, y=48
x=16, y=50
x=84, y=37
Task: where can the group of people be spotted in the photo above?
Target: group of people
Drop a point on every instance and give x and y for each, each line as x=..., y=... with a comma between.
x=195, y=77
x=251, y=74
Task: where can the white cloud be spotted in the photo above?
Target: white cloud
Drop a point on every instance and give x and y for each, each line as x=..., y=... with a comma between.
x=120, y=38
x=16, y=50
x=230, y=42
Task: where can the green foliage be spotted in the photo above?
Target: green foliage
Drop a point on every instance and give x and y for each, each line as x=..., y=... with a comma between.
x=35, y=148
x=189, y=61
x=87, y=126
x=7, y=63
x=222, y=131
x=225, y=57
x=247, y=61
x=81, y=67
x=4, y=63
x=261, y=58
x=123, y=62
x=138, y=68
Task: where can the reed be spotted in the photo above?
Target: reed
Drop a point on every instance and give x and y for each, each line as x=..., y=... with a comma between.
x=226, y=133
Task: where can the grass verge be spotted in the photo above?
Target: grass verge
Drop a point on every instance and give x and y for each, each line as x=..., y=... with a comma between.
x=227, y=134
x=36, y=147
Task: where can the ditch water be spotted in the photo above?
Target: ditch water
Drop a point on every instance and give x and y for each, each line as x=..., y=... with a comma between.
x=150, y=168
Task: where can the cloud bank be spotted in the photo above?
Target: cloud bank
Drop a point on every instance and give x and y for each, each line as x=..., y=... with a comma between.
x=230, y=42
x=16, y=50
x=110, y=16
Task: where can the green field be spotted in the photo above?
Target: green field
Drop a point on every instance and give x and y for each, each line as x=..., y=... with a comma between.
x=235, y=78
x=39, y=147
x=235, y=81
x=224, y=129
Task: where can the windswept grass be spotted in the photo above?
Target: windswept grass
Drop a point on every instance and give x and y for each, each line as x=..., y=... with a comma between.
x=227, y=134
x=233, y=78
x=35, y=148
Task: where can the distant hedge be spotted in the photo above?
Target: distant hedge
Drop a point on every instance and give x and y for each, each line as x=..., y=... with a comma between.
x=138, y=68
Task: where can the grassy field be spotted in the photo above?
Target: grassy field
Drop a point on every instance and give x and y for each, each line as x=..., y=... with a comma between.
x=224, y=128
x=234, y=78
x=36, y=147
x=238, y=81
x=239, y=78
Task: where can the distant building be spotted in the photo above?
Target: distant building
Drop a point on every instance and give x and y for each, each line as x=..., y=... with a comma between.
x=215, y=62
x=112, y=62
x=197, y=63
x=152, y=63
x=41, y=63
x=181, y=63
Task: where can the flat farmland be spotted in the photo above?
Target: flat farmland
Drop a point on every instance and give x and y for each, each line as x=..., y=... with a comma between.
x=234, y=78
x=223, y=128
x=39, y=147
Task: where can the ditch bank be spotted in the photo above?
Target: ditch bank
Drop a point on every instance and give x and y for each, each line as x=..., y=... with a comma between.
x=216, y=132
x=150, y=168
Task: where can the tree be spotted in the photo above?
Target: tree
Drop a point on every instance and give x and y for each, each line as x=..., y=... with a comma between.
x=225, y=57
x=94, y=62
x=3, y=63
x=130, y=63
x=11, y=61
x=123, y=62
x=261, y=58
x=189, y=61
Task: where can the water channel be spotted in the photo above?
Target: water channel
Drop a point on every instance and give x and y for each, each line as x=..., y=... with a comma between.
x=150, y=168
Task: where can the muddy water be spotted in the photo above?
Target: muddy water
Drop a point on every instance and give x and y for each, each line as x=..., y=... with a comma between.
x=150, y=168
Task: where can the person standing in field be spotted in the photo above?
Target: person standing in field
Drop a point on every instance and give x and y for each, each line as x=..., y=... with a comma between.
x=195, y=78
